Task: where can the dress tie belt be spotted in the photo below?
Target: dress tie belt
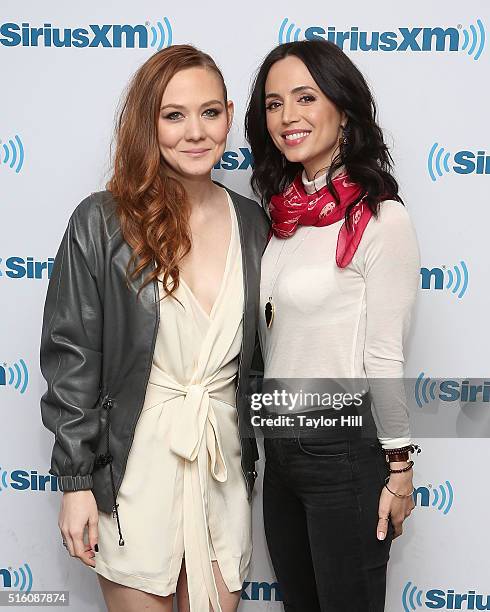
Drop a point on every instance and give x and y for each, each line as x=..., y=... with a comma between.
x=195, y=437
x=196, y=418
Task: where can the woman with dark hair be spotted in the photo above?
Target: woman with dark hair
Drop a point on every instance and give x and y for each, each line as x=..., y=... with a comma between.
x=339, y=279
x=148, y=333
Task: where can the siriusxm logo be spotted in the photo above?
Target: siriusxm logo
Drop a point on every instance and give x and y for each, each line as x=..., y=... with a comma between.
x=22, y=480
x=470, y=40
x=16, y=375
x=442, y=599
x=427, y=390
x=26, y=267
x=12, y=153
x=453, y=279
x=114, y=36
x=440, y=498
x=261, y=591
x=440, y=161
x=18, y=579
x=236, y=160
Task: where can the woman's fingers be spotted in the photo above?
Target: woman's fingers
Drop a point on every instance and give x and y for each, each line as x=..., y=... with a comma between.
x=93, y=530
x=69, y=542
x=398, y=516
x=79, y=512
x=83, y=551
x=397, y=528
x=383, y=517
x=78, y=545
x=382, y=528
x=88, y=556
x=396, y=511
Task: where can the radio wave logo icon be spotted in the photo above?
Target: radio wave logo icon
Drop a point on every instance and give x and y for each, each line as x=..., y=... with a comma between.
x=12, y=153
x=161, y=34
x=411, y=597
x=20, y=579
x=453, y=279
x=443, y=497
x=3, y=479
x=438, y=161
x=474, y=39
x=457, y=281
x=440, y=497
x=288, y=32
x=18, y=375
x=424, y=390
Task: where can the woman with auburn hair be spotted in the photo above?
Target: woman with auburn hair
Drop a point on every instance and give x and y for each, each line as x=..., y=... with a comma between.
x=339, y=279
x=148, y=335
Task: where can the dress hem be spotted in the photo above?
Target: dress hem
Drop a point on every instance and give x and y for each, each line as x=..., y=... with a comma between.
x=148, y=585
x=155, y=587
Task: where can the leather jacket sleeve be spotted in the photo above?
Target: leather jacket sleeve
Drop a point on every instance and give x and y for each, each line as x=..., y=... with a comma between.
x=257, y=367
x=71, y=355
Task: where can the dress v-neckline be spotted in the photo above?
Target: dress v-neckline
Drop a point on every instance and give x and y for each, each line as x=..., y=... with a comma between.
x=227, y=265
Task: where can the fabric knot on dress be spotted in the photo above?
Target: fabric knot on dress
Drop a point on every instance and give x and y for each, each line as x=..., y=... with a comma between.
x=194, y=421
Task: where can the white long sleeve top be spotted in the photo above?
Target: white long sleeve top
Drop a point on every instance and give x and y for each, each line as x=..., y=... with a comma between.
x=347, y=323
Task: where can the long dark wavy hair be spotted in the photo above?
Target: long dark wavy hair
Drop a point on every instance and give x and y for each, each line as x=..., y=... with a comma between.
x=365, y=155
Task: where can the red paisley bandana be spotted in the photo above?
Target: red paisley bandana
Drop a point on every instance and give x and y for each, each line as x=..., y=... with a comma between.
x=296, y=207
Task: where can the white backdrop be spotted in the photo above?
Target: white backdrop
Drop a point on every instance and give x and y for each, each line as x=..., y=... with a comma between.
x=430, y=74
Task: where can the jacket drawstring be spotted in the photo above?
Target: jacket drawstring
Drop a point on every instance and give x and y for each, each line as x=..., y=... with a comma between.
x=107, y=459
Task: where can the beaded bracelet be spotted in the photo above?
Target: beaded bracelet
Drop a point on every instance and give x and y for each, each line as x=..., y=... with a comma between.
x=405, y=469
x=401, y=454
x=398, y=494
x=410, y=448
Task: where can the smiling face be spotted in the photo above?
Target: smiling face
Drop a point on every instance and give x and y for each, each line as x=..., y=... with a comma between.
x=303, y=123
x=193, y=122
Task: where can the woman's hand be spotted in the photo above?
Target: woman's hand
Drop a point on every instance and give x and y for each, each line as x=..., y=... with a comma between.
x=79, y=509
x=393, y=507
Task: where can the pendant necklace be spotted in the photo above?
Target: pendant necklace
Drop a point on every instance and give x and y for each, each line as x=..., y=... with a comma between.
x=270, y=308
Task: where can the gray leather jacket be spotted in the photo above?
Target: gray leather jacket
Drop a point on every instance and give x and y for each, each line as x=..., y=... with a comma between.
x=97, y=346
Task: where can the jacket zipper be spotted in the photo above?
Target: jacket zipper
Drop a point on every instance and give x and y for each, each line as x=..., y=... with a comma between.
x=108, y=404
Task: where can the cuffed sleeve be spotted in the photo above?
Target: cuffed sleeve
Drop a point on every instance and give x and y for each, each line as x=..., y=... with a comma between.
x=75, y=483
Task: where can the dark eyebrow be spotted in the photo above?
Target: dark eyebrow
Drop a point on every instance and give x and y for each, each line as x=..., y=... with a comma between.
x=293, y=91
x=180, y=107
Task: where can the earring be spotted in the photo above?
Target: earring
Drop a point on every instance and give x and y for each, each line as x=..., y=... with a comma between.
x=343, y=139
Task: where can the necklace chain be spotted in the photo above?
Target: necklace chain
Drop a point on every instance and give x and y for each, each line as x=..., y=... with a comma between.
x=269, y=307
x=287, y=254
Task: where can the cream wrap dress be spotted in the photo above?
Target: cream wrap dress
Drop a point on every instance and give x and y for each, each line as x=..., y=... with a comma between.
x=183, y=492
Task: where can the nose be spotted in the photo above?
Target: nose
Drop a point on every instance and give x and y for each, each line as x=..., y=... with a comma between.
x=289, y=112
x=194, y=129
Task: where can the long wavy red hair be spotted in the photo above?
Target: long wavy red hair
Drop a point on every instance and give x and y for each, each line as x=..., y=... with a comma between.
x=152, y=206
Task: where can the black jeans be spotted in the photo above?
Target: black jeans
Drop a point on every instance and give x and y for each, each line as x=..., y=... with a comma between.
x=320, y=513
